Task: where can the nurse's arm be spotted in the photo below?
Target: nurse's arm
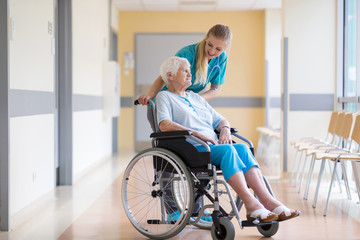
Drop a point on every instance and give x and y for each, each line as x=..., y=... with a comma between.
x=155, y=88
x=168, y=125
x=212, y=93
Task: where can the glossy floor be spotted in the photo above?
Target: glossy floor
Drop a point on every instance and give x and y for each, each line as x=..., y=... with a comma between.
x=91, y=209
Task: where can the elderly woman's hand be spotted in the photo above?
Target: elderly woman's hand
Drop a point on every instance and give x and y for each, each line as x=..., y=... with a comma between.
x=225, y=136
x=204, y=137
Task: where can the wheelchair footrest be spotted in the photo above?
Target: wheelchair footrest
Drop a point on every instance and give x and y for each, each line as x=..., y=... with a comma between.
x=157, y=221
x=250, y=223
x=153, y=221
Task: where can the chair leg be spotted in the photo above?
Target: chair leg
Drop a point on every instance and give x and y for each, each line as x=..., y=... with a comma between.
x=346, y=181
x=338, y=178
x=311, y=169
x=356, y=178
x=298, y=169
x=302, y=174
x=331, y=183
x=318, y=182
x=294, y=166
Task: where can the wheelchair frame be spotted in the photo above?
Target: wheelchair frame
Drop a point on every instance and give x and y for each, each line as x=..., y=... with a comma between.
x=191, y=173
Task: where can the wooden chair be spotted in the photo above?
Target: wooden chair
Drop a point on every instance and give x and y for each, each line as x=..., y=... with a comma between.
x=302, y=144
x=341, y=133
x=335, y=131
x=341, y=157
x=329, y=154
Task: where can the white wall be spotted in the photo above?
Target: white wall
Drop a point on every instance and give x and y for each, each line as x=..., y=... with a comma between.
x=31, y=68
x=91, y=133
x=310, y=26
x=273, y=58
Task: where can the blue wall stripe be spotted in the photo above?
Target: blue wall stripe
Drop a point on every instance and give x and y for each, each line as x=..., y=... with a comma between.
x=28, y=102
x=86, y=102
x=311, y=102
x=275, y=102
x=126, y=102
x=241, y=102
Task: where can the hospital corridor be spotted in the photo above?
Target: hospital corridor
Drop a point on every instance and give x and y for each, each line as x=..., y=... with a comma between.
x=179, y=119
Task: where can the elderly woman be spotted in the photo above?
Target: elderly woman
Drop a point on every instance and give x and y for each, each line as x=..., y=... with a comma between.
x=178, y=109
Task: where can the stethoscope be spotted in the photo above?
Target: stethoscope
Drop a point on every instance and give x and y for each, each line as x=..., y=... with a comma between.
x=218, y=67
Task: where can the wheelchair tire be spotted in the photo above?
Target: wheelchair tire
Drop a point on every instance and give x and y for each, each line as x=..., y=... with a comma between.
x=227, y=228
x=144, y=189
x=268, y=230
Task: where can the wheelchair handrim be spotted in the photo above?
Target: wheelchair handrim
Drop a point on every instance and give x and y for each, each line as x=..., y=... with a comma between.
x=128, y=211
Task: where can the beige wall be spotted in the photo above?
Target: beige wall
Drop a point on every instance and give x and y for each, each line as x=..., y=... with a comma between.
x=245, y=70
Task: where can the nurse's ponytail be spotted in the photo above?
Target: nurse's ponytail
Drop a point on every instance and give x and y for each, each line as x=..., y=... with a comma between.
x=219, y=31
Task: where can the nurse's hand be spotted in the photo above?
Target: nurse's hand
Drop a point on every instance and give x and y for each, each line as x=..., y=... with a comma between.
x=143, y=99
x=225, y=136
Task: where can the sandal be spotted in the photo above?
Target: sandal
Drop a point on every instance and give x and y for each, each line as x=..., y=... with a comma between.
x=285, y=213
x=263, y=215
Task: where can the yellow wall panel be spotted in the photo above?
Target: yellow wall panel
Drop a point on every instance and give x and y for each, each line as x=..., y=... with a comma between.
x=126, y=129
x=245, y=70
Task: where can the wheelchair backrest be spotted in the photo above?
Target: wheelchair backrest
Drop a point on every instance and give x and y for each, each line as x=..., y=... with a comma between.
x=185, y=150
x=151, y=116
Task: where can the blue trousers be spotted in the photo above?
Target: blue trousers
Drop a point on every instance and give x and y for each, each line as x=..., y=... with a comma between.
x=231, y=158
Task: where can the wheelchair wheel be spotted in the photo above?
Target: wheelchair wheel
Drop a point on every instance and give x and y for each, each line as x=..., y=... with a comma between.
x=146, y=190
x=227, y=230
x=268, y=230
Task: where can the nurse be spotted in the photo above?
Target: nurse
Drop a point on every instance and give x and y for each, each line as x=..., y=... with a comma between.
x=208, y=61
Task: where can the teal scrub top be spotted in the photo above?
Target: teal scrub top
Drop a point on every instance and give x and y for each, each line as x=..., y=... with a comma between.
x=189, y=52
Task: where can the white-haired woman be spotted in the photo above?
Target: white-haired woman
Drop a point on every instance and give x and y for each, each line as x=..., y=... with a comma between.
x=178, y=109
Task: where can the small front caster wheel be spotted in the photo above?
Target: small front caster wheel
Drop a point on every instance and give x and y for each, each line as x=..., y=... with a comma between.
x=227, y=230
x=268, y=230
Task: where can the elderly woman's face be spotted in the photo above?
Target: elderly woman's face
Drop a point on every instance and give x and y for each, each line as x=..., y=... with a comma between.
x=183, y=75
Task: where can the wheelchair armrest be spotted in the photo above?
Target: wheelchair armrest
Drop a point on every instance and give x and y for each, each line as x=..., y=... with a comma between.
x=234, y=133
x=171, y=134
x=232, y=130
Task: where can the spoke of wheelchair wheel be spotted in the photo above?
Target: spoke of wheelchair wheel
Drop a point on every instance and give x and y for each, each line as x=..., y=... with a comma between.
x=169, y=207
x=150, y=207
x=140, y=210
x=163, y=168
x=142, y=175
x=140, y=179
x=146, y=167
x=133, y=175
x=138, y=196
x=140, y=202
x=168, y=182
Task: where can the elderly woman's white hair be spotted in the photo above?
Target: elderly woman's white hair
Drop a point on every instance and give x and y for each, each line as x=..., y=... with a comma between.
x=172, y=65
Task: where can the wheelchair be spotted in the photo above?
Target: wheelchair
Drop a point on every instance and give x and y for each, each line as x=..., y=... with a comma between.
x=173, y=171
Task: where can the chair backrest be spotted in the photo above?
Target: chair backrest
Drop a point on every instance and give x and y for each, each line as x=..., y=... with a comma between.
x=355, y=136
x=347, y=125
x=338, y=131
x=332, y=124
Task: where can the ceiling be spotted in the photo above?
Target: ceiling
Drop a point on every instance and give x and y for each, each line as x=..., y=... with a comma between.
x=195, y=5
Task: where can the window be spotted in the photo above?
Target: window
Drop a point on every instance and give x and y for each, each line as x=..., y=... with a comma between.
x=348, y=84
x=349, y=56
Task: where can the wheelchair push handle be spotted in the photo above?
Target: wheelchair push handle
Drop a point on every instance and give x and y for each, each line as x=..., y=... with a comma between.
x=150, y=102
